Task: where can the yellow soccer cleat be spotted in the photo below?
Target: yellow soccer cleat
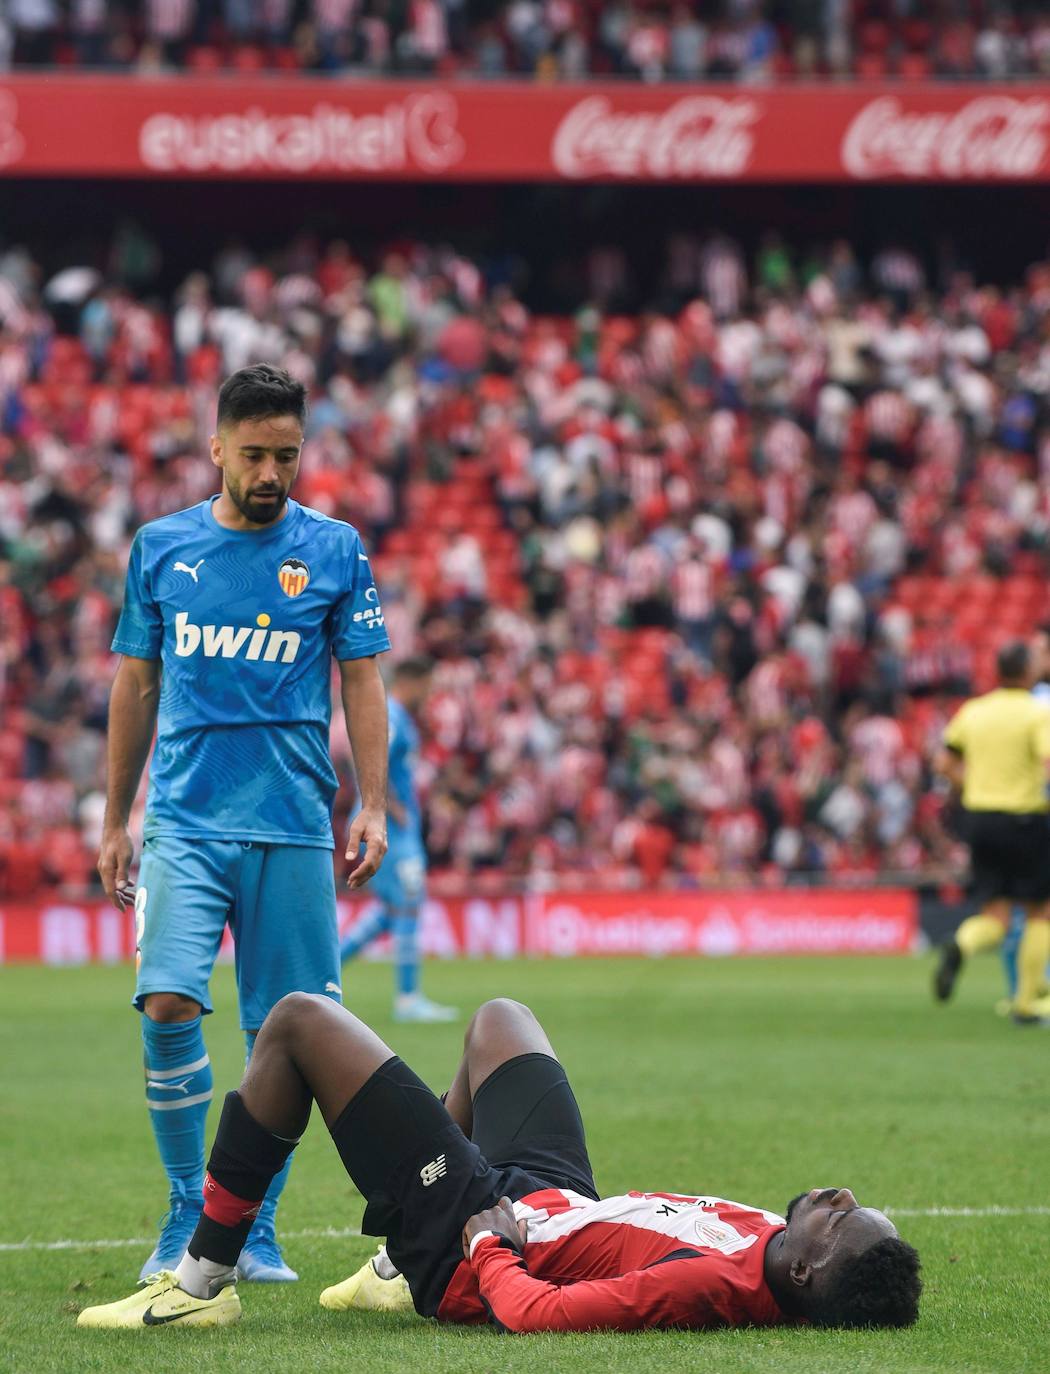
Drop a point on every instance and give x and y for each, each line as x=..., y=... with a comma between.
x=163, y=1303
x=365, y=1291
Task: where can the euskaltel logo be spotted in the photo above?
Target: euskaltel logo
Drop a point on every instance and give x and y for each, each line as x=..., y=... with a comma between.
x=419, y=132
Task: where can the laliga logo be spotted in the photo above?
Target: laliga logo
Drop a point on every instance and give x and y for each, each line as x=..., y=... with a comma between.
x=419, y=131
x=12, y=144
x=990, y=136
x=697, y=136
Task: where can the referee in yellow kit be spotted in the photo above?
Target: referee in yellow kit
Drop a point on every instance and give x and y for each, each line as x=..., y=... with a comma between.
x=997, y=749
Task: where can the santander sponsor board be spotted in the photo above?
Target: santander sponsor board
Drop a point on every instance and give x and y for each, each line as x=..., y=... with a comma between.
x=694, y=137
x=419, y=133
x=991, y=137
x=553, y=925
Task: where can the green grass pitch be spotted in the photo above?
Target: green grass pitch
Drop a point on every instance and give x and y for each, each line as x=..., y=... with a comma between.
x=752, y=1079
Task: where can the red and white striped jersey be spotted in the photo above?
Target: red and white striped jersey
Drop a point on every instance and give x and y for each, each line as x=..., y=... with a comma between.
x=643, y=1259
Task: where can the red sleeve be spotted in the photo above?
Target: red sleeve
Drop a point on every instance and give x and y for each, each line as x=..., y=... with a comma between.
x=668, y=1294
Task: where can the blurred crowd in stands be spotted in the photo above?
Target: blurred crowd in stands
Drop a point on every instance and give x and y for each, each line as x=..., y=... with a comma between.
x=701, y=582
x=649, y=40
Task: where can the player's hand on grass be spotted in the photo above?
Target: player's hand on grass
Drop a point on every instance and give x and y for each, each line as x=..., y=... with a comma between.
x=368, y=829
x=501, y=1221
x=114, y=863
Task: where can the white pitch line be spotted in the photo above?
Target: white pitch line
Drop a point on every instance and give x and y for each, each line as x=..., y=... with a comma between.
x=321, y=1233
x=968, y=1211
x=349, y=1232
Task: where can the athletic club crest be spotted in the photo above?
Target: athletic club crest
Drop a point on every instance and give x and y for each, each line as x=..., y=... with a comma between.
x=293, y=575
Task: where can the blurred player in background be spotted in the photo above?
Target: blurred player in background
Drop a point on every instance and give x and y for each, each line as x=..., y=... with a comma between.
x=400, y=885
x=997, y=751
x=233, y=610
x=1015, y=932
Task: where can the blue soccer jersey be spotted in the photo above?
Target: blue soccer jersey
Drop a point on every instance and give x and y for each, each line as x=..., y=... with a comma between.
x=245, y=624
x=404, y=756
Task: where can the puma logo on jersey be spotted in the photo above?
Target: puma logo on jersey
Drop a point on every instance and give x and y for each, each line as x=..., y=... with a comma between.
x=430, y=1173
x=185, y=567
x=228, y=641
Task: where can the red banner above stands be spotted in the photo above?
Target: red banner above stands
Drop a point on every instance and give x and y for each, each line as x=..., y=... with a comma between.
x=556, y=924
x=289, y=128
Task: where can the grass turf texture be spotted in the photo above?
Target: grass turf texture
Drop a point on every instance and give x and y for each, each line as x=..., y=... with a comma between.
x=752, y=1079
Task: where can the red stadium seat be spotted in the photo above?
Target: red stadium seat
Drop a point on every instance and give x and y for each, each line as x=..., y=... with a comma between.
x=872, y=66
x=204, y=59
x=248, y=58
x=913, y=66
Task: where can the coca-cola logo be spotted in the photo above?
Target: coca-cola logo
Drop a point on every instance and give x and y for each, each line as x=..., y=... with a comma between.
x=990, y=136
x=418, y=133
x=695, y=137
x=12, y=144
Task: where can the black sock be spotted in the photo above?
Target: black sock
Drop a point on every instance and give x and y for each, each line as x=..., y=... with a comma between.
x=244, y=1159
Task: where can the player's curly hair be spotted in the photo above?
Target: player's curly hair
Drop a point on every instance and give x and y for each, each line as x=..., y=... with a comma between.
x=259, y=391
x=880, y=1287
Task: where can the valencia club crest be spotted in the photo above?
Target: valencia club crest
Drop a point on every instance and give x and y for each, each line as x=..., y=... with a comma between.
x=294, y=576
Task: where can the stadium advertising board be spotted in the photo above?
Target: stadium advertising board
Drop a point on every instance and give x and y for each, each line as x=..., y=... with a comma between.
x=291, y=128
x=556, y=925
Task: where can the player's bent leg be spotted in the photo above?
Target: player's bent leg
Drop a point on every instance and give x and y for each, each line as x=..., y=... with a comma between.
x=500, y=1030
x=262, y=1260
x=307, y=1049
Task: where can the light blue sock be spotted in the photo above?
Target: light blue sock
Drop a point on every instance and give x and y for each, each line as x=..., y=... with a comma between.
x=406, y=950
x=264, y=1221
x=368, y=929
x=1011, y=944
x=178, y=1090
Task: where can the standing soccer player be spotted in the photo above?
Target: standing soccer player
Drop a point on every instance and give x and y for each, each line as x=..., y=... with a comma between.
x=401, y=885
x=233, y=610
x=996, y=750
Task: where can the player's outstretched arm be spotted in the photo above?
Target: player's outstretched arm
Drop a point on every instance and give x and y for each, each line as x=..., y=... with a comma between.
x=132, y=720
x=364, y=705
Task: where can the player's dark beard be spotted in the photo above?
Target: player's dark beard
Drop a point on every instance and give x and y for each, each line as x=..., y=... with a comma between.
x=259, y=512
x=792, y=1205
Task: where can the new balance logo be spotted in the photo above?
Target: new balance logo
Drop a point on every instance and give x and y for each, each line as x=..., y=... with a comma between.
x=227, y=641
x=430, y=1173
x=184, y=567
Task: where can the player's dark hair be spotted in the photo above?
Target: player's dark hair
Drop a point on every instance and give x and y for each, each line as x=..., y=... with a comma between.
x=1012, y=661
x=259, y=391
x=414, y=668
x=879, y=1287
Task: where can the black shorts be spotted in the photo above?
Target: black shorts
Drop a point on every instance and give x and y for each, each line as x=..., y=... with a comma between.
x=1009, y=855
x=423, y=1179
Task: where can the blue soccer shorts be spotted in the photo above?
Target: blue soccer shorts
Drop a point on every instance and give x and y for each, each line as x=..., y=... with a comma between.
x=402, y=878
x=279, y=901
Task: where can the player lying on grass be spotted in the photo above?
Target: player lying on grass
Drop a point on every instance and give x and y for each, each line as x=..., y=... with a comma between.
x=489, y=1207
